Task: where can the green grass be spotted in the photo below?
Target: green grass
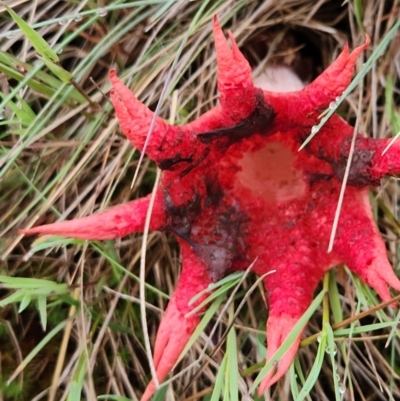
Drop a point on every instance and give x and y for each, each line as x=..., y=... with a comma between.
x=70, y=310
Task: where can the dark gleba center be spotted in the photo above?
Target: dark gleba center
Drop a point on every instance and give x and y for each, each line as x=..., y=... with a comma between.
x=214, y=222
x=212, y=227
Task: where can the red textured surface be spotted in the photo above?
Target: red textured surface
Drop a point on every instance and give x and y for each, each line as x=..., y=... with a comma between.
x=235, y=189
x=113, y=223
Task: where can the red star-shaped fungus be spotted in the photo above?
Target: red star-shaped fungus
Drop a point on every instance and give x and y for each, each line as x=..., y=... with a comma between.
x=235, y=189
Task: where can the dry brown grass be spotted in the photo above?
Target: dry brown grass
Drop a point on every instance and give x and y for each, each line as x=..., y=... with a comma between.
x=70, y=160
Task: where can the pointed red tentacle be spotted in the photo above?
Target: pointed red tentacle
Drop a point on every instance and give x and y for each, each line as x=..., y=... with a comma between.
x=372, y=159
x=289, y=292
x=335, y=79
x=302, y=108
x=278, y=327
x=235, y=82
x=176, y=328
x=360, y=245
x=234, y=70
x=135, y=118
x=386, y=160
x=113, y=223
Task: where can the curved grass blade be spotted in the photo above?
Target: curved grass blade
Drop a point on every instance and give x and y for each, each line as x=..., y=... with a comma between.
x=40, y=45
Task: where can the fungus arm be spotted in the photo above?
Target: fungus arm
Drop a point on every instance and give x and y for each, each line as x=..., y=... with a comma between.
x=360, y=245
x=113, y=223
x=301, y=109
x=176, y=327
x=289, y=293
